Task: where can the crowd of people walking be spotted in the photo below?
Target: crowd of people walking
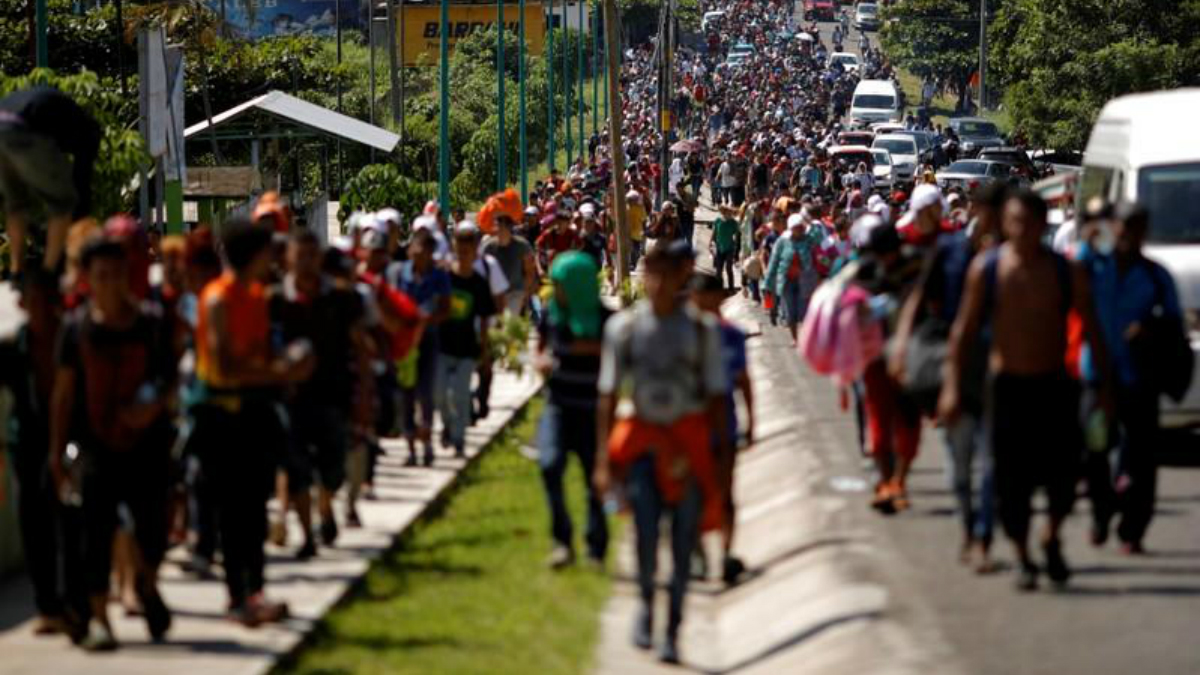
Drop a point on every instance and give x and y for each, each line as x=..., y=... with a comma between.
x=181, y=382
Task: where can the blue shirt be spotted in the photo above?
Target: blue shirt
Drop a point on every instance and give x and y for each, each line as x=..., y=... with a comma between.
x=1121, y=300
x=733, y=354
x=426, y=291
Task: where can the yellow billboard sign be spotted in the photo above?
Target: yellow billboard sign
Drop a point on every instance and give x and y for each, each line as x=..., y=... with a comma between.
x=421, y=32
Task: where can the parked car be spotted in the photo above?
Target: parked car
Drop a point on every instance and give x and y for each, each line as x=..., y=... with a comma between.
x=926, y=145
x=711, y=20
x=1057, y=161
x=903, y=151
x=846, y=60
x=975, y=134
x=1015, y=156
x=875, y=101
x=818, y=10
x=883, y=168
x=866, y=16
x=851, y=155
x=969, y=174
x=884, y=128
x=856, y=138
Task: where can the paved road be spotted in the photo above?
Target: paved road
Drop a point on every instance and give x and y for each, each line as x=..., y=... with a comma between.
x=1120, y=614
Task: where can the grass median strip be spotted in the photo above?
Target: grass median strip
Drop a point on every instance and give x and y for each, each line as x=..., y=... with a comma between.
x=468, y=591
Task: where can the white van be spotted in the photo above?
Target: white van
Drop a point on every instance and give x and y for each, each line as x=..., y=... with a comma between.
x=1145, y=148
x=875, y=101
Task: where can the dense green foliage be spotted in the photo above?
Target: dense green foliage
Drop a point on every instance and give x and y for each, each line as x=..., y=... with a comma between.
x=223, y=72
x=934, y=39
x=377, y=186
x=1061, y=60
x=1056, y=61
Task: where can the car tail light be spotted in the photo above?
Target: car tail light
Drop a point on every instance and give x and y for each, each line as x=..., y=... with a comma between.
x=972, y=185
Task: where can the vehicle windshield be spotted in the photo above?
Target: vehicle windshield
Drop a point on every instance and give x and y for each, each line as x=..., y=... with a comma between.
x=897, y=146
x=977, y=129
x=867, y=10
x=921, y=139
x=851, y=159
x=874, y=101
x=975, y=168
x=845, y=58
x=882, y=158
x=1172, y=196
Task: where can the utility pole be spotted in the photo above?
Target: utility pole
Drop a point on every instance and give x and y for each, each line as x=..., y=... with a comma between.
x=616, y=147
x=521, y=99
x=371, y=68
x=595, y=67
x=550, y=93
x=502, y=136
x=444, y=110
x=605, y=65
x=396, y=91
x=982, y=53
x=568, y=90
x=666, y=48
x=41, y=24
x=579, y=68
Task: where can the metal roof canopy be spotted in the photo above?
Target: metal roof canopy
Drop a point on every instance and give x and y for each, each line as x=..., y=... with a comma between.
x=305, y=114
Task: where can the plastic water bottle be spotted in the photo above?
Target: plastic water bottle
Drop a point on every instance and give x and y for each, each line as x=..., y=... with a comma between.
x=1096, y=431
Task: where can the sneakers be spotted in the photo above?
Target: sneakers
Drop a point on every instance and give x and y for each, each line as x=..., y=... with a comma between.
x=158, y=617
x=278, y=535
x=1056, y=565
x=256, y=611
x=329, y=531
x=643, y=629
x=732, y=569
x=1027, y=577
x=560, y=557
x=50, y=625
x=99, y=637
x=308, y=551
x=669, y=653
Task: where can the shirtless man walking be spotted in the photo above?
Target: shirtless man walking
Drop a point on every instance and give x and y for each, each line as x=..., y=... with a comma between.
x=1024, y=292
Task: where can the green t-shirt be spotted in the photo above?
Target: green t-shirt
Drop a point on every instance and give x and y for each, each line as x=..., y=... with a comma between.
x=725, y=234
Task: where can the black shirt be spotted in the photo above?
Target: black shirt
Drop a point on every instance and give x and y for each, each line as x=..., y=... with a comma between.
x=572, y=383
x=325, y=320
x=113, y=367
x=470, y=299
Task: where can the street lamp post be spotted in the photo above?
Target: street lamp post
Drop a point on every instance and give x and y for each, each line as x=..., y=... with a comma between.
x=596, y=68
x=550, y=95
x=521, y=98
x=41, y=41
x=502, y=148
x=579, y=68
x=444, y=109
x=568, y=91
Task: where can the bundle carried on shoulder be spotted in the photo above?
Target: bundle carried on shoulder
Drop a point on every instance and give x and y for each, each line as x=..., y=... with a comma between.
x=838, y=337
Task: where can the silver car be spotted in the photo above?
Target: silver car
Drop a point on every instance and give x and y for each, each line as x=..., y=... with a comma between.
x=883, y=168
x=969, y=174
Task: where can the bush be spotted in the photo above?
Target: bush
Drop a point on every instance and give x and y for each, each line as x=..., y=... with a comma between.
x=377, y=186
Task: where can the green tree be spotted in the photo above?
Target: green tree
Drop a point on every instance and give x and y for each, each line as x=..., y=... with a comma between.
x=934, y=39
x=377, y=186
x=1061, y=60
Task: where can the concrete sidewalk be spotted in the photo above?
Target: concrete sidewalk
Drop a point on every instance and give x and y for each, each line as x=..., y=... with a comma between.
x=202, y=640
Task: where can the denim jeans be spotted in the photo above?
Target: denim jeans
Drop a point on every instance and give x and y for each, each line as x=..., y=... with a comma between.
x=648, y=509
x=453, y=393
x=970, y=462
x=564, y=430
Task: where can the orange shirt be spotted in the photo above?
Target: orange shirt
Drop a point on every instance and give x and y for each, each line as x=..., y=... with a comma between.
x=247, y=326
